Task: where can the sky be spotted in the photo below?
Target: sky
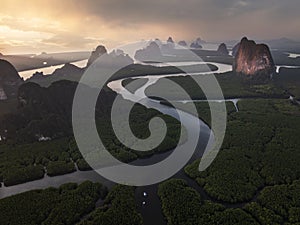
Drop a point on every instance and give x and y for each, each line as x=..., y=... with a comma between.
x=35, y=26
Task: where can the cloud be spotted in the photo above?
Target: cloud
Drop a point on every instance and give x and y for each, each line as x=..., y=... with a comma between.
x=211, y=18
x=137, y=11
x=30, y=24
x=69, y=23
x=69, y=40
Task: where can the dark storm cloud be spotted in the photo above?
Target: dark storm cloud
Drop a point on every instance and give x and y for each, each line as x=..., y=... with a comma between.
x=170, y=10
x=239, y=16
x=137, y=11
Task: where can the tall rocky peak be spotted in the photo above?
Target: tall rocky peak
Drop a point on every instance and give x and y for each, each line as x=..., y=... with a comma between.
x=100, y=50
x=252, y=58
x=222, y=49
x=9, y=80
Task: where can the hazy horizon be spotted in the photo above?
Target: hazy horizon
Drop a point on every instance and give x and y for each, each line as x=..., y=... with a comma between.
x=73, y=25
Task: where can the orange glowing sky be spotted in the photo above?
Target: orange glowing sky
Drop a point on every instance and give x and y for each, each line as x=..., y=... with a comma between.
x=54, y=25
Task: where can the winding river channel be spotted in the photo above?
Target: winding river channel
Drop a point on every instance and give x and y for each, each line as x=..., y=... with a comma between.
x=148, y=204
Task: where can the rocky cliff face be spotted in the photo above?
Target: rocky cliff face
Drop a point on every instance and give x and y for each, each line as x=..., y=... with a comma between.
x=9, y=80
x=252, y=58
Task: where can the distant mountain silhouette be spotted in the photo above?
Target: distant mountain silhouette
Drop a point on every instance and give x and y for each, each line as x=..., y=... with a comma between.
x=116, y=58
x=197, y=43
x=170, y=40
x=182, y=43
x=9, y=80
x=113, y=59
x=151, y=53
x=32, y=61
x=67, y=72
x=222, y=49
x=46, y=112
x=100, y=50
x=284, y=43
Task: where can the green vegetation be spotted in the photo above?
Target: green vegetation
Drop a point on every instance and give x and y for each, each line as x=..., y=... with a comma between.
x=135, y=83
x=26, y=162
x=288, y=79
x=8, y=106
x=20, y=162
x=65, y=205
x=232, y=85
x=183, y=205
x=119, y=208
x=263, y=215
x=83, y=165
x=203, y=110
x=135, y=70
x=15, y=175
x=70, y=204
x=281, y=58
x=139, y=120
x=255, y=178
x=277, y=204
x=258, y=151
x=59, y=168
